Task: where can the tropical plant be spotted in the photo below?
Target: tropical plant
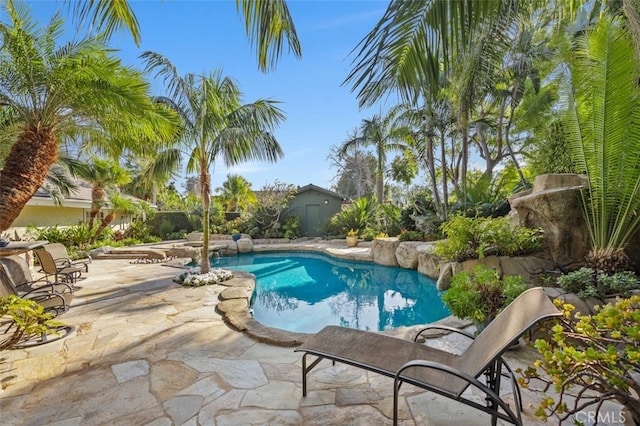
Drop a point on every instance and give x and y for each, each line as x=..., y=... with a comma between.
x=603, y=128
x=358, y=216
x=481, y=295
x=385, y=135
x=51, y=91
x=475, y=238
x=236, y=194
x=104, y=176
x=590, y=359
x=267, y=24
x=216, y=125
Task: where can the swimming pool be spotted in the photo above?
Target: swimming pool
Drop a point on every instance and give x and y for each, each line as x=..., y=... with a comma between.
x=303, y=292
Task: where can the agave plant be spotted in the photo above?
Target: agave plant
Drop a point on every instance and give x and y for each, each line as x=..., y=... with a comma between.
x=603, y=108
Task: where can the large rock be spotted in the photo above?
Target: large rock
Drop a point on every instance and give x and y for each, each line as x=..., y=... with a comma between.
x=554, y=206
x=245, y=245
x=407, y=254
x=428, y=262
x=383, y=251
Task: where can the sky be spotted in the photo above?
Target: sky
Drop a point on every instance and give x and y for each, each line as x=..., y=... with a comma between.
x=201, y=36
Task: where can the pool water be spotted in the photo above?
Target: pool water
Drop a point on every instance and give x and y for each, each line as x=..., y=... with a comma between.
x=304, y=292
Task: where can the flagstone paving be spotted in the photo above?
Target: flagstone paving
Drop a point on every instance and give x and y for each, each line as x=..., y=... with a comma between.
x=147, y=351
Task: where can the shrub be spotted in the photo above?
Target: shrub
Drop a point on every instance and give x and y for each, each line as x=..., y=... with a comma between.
x=597, y=356
x=291, y=227
x=359, y=216
x=27, y=317
x=480, y=296
x=586, y=282
x=475, y=238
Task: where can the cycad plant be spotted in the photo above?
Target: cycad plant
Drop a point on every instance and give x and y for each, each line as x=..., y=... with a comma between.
x=603, y=128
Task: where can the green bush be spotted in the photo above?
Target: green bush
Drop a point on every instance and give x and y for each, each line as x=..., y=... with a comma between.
x=291, y=227
x=27, y=319
x=474, y=238
x=480, y=296
x=586, y=282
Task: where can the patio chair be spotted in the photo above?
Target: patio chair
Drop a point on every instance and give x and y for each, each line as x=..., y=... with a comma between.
x=19, y=273
x=435, y=370
x=61, y=257
x=49, y=268
x=54, y=298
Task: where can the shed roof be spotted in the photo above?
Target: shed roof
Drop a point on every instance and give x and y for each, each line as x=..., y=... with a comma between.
x=312, y=187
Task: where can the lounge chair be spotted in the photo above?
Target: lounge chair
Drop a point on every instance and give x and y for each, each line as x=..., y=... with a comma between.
x=54, y=297
x=61, y=257
x=435, y=370
x=49, y=268
x=47, y=296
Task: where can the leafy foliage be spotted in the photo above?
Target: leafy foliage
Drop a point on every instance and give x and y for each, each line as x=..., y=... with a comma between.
x=603, y=129
x=272, y=200
x=473, y=238
x=357, y=217
x=27, y=318
x=480, y=296
x=587, y=282
x=597, y=357
x=291, y=227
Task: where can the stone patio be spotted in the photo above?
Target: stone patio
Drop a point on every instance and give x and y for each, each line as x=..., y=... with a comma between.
x=147, y=351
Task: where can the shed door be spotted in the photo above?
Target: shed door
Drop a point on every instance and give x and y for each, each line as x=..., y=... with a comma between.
x=312, y=225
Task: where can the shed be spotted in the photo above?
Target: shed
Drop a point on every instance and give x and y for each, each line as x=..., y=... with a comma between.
x=314, y=206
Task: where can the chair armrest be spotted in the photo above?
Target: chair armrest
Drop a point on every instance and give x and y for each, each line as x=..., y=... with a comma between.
x=443, y=327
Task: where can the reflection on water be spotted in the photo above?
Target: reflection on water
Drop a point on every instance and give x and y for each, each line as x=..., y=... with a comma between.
x=305, y=291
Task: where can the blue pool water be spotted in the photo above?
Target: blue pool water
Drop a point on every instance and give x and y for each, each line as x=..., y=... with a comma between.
x=303, y=292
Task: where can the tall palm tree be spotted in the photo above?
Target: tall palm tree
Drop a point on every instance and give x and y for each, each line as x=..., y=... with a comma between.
x=216, y=126
x=236, y=193
x=267, y=24
x=52, y=91
x=383, y=133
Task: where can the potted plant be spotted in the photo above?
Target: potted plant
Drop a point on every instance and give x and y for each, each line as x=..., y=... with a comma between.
x=481, y=295
x=352, y=238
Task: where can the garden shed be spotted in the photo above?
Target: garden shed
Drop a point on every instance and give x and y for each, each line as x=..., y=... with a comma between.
x=314, y=206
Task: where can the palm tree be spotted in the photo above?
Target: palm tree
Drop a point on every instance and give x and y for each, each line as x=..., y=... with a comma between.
x=52, y=91
x=384, y=134
x=236, y=193
x=267, y=24
x=216, y=126
x=104, y=176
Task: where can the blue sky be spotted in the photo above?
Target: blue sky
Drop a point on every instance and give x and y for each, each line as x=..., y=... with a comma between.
x=200, y=36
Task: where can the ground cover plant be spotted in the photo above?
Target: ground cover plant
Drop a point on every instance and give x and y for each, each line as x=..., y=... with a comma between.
x=194, y=278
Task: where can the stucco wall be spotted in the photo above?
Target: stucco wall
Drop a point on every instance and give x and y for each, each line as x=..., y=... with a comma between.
x=45, y=216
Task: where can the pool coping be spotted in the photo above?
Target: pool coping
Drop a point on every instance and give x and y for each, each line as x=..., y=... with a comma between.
x=235, y=298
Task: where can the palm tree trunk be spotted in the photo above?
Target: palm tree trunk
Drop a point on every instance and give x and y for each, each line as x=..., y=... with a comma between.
x=445, y=190
x=25, y=170
x=97, y=201
x=205, y=192
x=103, y=225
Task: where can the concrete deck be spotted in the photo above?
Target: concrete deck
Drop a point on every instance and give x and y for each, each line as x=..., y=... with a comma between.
x=147, y=351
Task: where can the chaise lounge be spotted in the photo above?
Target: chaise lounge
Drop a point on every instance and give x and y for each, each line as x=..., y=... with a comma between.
x=435, y=370
x=61, y=257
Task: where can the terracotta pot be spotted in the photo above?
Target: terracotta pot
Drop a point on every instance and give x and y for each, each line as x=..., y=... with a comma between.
x=352, y=241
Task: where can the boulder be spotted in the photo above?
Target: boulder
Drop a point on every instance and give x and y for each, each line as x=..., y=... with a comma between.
x=554, y=205
x=528, y=267
x=428, y=263
x=444, y=280
x=245, y=245
x=491, y=262
x=383, y=251
x=407, y=254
